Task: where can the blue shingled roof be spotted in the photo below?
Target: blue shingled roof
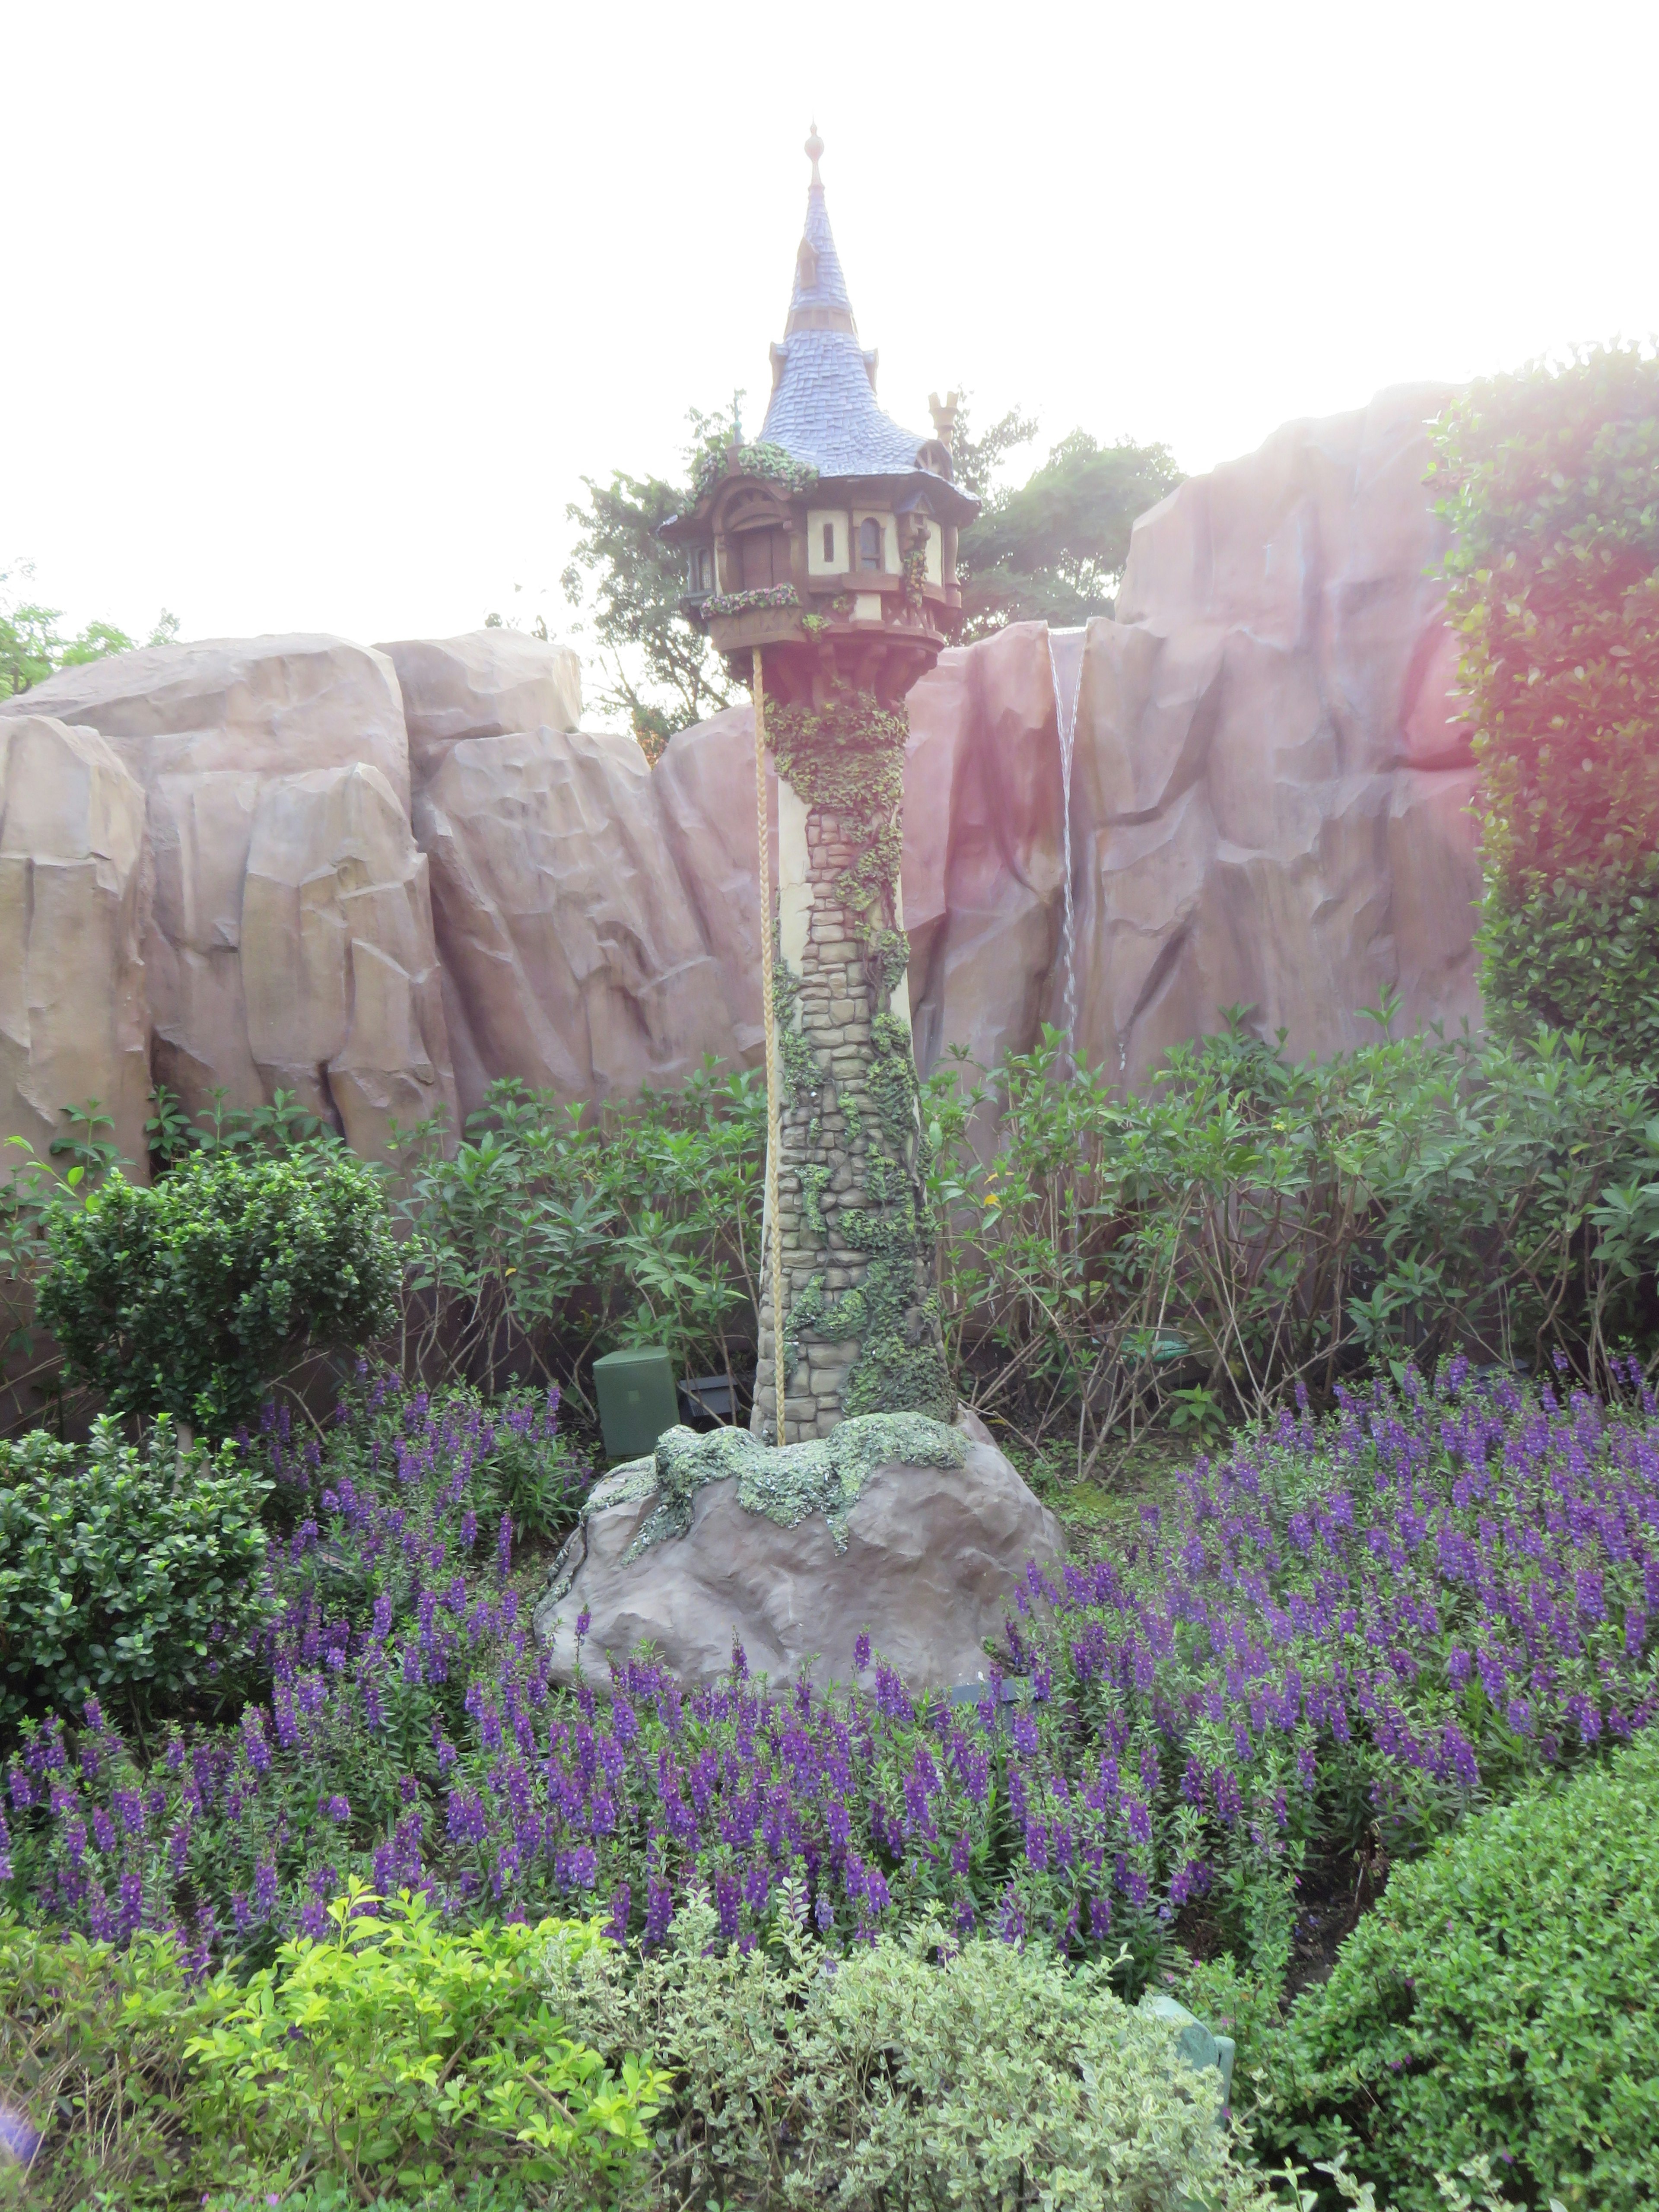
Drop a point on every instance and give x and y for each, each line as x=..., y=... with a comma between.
x=823, y=410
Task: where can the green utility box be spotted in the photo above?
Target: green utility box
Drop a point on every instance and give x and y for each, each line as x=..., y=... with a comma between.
x=637, y=1401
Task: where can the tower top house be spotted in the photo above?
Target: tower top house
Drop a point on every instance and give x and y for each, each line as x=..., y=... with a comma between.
x=831, y=540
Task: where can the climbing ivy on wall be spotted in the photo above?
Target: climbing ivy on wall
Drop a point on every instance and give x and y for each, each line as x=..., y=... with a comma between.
x=1551, y=481
x=847, y=759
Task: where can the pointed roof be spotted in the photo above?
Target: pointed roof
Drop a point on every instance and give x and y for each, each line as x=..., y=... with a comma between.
x=824, y=401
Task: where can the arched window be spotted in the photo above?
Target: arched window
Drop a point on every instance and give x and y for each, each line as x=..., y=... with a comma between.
x=869, y=543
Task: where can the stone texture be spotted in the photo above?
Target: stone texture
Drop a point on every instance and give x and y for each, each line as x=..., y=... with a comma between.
x=72, y=897
x=1270, y=806
x=983, y=879
x=318, y=964
x=345, y=1003
x=488, y=684
x=931, y=1560
x=574, y=954
x=1272, y=785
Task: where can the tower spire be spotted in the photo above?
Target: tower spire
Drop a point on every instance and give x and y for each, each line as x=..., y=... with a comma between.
x=814, y=147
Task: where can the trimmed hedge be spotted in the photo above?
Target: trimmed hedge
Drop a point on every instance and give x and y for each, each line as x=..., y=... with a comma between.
x=1502, y=1999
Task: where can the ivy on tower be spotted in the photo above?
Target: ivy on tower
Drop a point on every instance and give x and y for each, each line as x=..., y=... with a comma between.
x=821, y=559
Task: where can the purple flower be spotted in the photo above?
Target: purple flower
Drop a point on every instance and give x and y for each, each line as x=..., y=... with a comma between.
x=861, y=1649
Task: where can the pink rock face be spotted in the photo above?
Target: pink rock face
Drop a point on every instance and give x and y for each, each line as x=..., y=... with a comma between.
x=1272, y=792
x=1270, y=806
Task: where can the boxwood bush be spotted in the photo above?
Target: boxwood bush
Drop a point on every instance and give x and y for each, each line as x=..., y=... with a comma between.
x=131, y=1574
x=1502, y=2000
x=188, y=1297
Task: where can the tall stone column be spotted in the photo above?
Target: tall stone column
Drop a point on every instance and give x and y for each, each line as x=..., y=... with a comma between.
x=861, y=1316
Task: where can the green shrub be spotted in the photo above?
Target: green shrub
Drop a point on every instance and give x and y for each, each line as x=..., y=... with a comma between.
x=1552, y=493
x=396, y=2049
x=92, y=2058
x=1502, y=2000
x=1249, y=1223
x=188, y=1297
x=392, y=2056
x=549, y=1235
x=125, y=1570
x=910, y=2073
x=1579, y=951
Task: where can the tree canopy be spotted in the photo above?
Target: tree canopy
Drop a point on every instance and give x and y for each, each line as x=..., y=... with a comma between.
x=627, y=583
x=31, y=647
x=1052, y=548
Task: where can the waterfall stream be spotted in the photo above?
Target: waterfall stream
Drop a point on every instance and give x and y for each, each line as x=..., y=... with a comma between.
x=1066, y=664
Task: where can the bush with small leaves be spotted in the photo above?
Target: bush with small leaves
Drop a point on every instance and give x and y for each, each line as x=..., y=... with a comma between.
x=1502, y=2000
x=138, y=1572
x=910, y=2072
x=189, y=1296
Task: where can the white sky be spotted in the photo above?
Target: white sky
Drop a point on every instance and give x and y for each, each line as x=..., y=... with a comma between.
x=314, y=316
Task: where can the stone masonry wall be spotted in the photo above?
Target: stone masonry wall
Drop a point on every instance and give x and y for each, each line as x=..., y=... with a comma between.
x=846, y=1193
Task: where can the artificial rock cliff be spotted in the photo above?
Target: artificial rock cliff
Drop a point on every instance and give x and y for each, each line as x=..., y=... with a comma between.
x=382, y=877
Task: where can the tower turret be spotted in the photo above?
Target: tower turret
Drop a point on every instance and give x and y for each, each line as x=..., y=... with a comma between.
x=821, y=559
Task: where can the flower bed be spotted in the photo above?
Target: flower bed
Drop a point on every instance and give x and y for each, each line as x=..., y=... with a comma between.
x=1370, y=1620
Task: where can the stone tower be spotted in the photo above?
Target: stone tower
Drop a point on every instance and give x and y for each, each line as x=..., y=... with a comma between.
x=822, y=559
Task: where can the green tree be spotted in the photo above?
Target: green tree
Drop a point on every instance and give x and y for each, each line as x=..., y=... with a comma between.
x=31, y=647
x=624, y=581
x=976, y=460
x=1551, y=481
x=1052, y=548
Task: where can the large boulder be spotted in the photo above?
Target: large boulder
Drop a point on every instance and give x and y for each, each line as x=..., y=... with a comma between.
x=241, y=994
x=72, y=1017
x=575, y=956
x=1272, y=790
x=344, y=1001
x=1270, y=805
x=894, y=1526
x=487, y=683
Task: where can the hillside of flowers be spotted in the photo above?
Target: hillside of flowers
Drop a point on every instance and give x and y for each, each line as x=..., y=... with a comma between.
x=1359, y=1626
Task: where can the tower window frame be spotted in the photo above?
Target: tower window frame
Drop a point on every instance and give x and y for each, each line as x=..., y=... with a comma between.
x=871, y=557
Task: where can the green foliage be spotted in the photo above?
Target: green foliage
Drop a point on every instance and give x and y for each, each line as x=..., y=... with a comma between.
x=31, y=647
x=977, y=460
x=123, y=1570
x=395, y=2050
x=1552, y=479
x=189, y=1296
x=1053, y=549
x=663, y=673
x=391, y=2055
x=1248, y=1223
x=553, y=1233
x=909, y=2074
x=1502, y=2000
x=1578, y=951
x=715, y=457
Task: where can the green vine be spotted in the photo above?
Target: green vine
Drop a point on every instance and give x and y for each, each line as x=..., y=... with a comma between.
x=914, y=567
x=813, y=1181
x=800, y=1077
x=770, y=461
x=849, y=760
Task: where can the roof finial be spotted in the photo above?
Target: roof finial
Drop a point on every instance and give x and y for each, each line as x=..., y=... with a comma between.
x=814, y=147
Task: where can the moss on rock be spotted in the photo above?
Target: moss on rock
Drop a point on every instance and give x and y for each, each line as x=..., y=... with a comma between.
x=826, y=1474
